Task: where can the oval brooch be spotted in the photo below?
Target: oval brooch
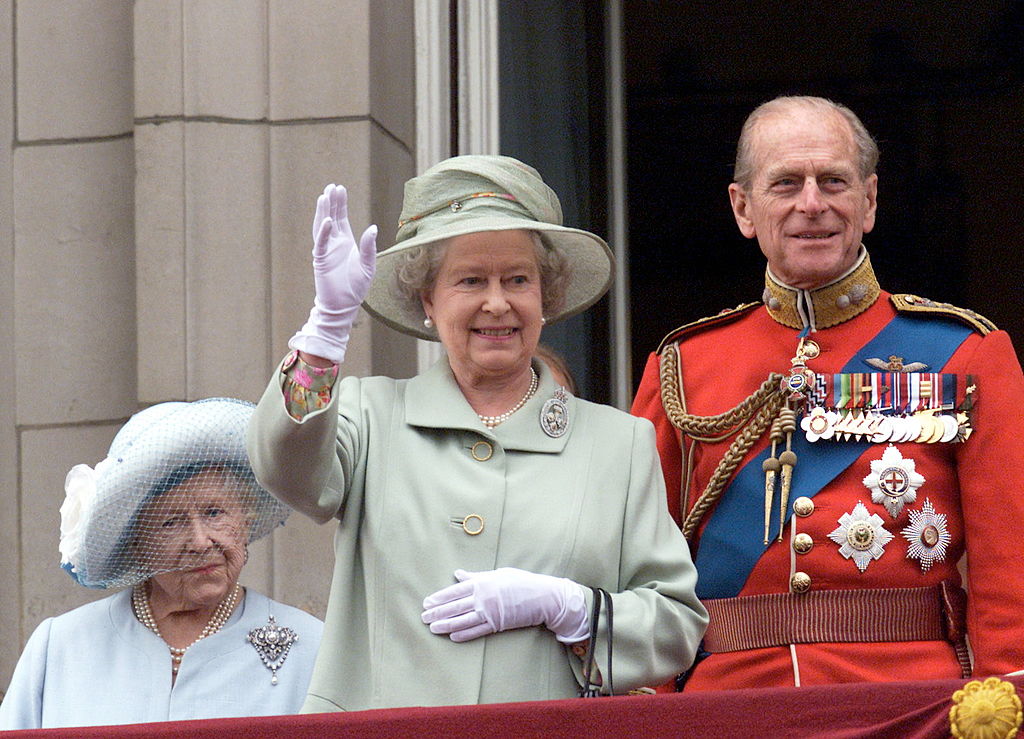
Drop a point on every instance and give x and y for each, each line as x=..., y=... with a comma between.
x=554, y=416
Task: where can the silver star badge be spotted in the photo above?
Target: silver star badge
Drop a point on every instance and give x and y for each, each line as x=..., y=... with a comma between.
x=861, y=536
x=928, y=535
x=893, y=481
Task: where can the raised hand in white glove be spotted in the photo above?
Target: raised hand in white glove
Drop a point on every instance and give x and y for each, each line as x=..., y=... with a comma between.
x=483, y=603
x=341, y=272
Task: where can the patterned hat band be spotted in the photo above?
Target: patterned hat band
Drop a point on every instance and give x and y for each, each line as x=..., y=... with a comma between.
x=456, y=205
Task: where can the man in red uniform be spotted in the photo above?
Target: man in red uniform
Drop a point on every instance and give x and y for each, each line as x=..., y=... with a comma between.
x=832, y=452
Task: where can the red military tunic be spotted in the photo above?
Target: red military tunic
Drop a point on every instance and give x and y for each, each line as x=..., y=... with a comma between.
x=978, y=485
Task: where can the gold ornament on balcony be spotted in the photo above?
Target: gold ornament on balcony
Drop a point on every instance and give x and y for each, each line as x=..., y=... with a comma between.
x=985, y=710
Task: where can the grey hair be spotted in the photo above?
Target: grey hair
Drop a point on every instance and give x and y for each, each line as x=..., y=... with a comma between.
x=417, y=268
x=867, y=148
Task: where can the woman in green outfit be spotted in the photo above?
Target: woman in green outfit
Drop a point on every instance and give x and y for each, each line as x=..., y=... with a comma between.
x=478, y=504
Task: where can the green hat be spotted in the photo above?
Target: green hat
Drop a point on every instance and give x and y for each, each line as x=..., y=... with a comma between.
x=474, y=193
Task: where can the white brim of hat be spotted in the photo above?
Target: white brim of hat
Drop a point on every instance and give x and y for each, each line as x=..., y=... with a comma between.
x=588, y=256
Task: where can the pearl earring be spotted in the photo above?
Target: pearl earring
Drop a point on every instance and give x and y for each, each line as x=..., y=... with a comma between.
x=543, y=320
x=428, y=322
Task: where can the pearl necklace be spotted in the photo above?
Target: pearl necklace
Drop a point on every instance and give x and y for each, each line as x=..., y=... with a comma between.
x=140, y=604
x=492, y=421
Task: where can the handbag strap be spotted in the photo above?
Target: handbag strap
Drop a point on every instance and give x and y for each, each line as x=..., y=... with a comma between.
x=611, y=641
x=591, y=689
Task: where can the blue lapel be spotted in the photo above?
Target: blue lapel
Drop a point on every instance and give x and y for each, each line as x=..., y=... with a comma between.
x=732, y=542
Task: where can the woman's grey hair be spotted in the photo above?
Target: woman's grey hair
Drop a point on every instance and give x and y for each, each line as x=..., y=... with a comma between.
x=867, y=149
x=418, y=267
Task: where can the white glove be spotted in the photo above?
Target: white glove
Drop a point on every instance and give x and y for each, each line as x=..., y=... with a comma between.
x=483, y=603
x=341, y=273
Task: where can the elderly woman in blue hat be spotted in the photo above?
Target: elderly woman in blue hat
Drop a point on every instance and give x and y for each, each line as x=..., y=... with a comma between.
x=167, y=517
x=483, y=512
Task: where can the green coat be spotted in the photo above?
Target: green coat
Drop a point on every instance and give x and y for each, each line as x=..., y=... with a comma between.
x=393, y=461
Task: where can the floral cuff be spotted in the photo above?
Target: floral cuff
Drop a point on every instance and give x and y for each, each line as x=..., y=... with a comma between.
x=306, y=388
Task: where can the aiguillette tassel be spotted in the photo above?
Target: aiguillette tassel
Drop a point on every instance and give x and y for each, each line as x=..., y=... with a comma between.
x=787, y=459
x=771, y=470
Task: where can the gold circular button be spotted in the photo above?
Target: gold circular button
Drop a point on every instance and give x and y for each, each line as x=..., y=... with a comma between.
x=482, y=451
x=803, y=506
x=802, y=543
x=811, y=349
x=473, y=524
x=800, y=582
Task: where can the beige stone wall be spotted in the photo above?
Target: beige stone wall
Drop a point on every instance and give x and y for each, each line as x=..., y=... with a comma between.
x=10, y=579
x=155, y=213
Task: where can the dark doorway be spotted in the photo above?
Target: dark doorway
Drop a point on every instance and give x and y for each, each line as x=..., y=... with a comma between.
x=551, y=82
x=939, y=85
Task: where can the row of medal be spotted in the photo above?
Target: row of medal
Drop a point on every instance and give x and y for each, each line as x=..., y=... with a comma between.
x=880, y=407
x=925, y=427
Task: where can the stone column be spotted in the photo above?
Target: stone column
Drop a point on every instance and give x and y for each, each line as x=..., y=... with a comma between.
x=244, y=110
x=68, y=311
x=155, y=212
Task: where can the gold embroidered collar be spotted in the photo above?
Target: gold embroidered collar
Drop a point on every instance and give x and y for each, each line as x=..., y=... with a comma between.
x=829, y=305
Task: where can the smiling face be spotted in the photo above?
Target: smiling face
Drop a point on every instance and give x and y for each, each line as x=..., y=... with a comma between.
x=807, y=203
x=199, y=530
x=486, y=305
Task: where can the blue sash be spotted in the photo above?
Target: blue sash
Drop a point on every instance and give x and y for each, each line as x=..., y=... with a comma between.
x=733, y=540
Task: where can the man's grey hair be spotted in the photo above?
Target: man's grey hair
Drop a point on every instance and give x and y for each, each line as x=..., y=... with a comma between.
x=867, y=149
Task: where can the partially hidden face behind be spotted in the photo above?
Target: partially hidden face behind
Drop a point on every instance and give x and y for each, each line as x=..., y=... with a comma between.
x=487, y=304
x=807, y=204
x=195, y=535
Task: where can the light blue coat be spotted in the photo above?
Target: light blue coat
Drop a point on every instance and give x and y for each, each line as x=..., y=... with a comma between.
x=402, y=464
x=97, y=665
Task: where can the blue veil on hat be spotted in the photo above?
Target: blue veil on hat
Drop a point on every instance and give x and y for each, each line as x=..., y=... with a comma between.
x=156, y=454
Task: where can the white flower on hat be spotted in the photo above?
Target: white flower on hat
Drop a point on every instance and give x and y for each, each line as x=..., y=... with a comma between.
x=79, y=497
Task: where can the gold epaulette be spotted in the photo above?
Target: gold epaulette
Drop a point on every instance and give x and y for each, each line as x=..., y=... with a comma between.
x=725, y=316
x=914, y=304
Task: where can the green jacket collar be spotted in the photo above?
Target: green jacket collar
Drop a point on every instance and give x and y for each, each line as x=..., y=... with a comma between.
x=434, y=400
